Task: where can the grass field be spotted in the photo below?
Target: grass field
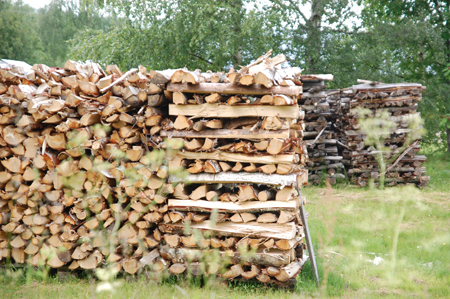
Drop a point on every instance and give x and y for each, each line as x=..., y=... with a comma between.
x=409, y=229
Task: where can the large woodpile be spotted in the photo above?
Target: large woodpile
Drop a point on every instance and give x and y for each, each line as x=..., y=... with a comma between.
x=399, y=149
x=91, y=164
x=322, y=119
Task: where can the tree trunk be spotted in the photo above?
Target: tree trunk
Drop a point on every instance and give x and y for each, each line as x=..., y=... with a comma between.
x=448, y=139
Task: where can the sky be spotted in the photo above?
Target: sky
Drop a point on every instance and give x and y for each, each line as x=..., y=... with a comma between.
x=37, y=3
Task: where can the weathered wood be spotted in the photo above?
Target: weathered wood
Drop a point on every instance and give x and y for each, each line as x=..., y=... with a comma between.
x=228, y=88
x=237, y=157
x=263, y=230
x=390, y=87
x=319, y=77
x=218, y=110
x=272, y=257
x=231, y=207
x=226, y=133
x=229, y=177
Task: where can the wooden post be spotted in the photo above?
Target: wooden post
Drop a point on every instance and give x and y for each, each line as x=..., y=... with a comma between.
x=312, y=257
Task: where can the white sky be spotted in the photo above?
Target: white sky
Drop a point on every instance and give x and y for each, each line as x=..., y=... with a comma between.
x=37, y=3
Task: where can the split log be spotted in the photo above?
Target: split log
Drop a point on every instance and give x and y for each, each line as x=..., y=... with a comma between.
x=230, y=207
x=237, y=157
x=229, y=88
x=286, y=194
x=262, y=230
x=289, y=271
x=179, y=98
x=183, y=123
x=217, y=110
x=272, y=257
x=247, y=192
x=272, y=123
x=229, y=178
x=228, y=134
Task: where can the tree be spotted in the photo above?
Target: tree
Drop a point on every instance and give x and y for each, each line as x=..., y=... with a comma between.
x=18, y=35
x=417, y=35
x=312, y=29
x=59, y=21
x=174, y=33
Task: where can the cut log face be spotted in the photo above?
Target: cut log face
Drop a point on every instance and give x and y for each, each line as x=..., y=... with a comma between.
x=172, y=240
x=177, y=268
x=179, y=98
x=213, y=98
x=267, y=218
x=286, y=194
x=131, y=266
x=272, y=123
x=233, y=272
x=247, y=192
x=289, y=271
x=254, y=271
x=275, y=146
x=247, y=80
x=182, y=123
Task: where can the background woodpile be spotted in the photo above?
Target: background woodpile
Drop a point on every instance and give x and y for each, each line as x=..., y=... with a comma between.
x=91, y=163
x=322, y=109
x=400, y=102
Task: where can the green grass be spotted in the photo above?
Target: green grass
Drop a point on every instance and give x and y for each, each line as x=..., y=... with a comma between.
x=408, y=228
x=438, y=167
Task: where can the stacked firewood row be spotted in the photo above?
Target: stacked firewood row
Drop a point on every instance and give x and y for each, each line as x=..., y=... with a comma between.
x=322, y=110
x=399, y=147
x=79, y=186
x=92, y=160
x=245, y=158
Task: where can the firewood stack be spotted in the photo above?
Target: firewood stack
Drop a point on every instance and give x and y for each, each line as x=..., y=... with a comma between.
x=245, y=157
x=403, y=164
x=88, y=159
x=322, y=111
x=62, y=183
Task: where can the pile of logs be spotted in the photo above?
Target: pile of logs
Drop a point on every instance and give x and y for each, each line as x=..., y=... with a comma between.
x=91, y=166
x=245, y=158
x=400, y=147
x=322, y=118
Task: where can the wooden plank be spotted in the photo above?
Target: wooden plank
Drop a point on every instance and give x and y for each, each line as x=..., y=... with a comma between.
x=242, y=177
x=320, y=94
x=268, y=257
x=231, y=207
x=228, y=88
x=285, y=231
x=218, y=110
x=393, y=86
x=388, y=99
x=227, y=133
x=318, y=77
x=150, y=257
x=395, y=169
x=236, y=157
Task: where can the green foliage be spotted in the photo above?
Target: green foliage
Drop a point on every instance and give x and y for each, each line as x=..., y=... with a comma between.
x=41, y=36
x=312, y=30
x=416, y=36
x=18, y=34
x=59, y=22
x=176, y=33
